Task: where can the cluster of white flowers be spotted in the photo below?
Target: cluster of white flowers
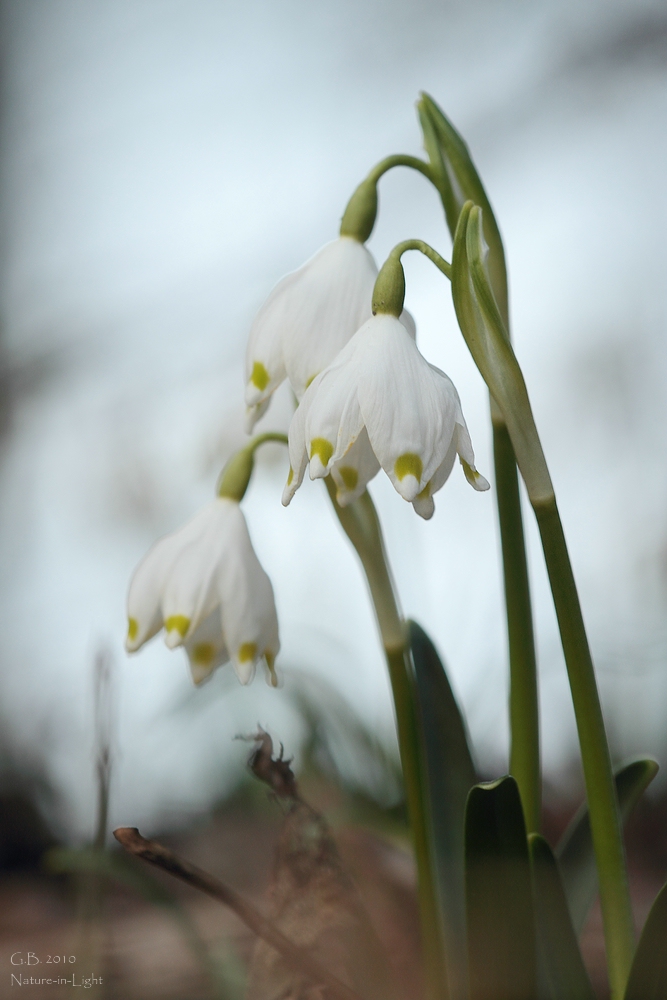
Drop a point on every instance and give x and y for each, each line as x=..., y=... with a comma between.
x=367, y=400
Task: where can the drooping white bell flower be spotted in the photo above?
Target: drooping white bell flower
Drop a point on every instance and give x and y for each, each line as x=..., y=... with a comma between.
x=307, y=318
x=380, y=386
x=204, y=584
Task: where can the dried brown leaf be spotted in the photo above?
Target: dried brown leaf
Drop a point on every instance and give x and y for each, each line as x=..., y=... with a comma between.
x=314, y=902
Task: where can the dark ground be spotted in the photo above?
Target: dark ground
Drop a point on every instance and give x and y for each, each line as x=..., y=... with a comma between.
x=140, y=950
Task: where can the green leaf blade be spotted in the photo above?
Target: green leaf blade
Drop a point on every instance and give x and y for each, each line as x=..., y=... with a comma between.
x=648, y=975
x=466, y=179
x=562, y=971
x=501, y=921
x=450, y=774
x=575, y=849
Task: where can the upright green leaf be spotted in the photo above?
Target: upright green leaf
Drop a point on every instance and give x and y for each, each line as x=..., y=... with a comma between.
x=501, y=922
x=450, y=775
x=561, y=968
x=461, y=182
x=440, y=172
x=648, y=975
x=466, y=184
x=575, y=850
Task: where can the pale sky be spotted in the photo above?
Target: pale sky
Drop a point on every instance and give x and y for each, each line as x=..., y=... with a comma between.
x=164, y=164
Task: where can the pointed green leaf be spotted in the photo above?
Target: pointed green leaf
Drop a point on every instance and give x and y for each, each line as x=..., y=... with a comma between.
x=501, y=923
x=488, y=340
x=648, y=975
x=575, y=850
x=450, y=776
x=467, y=311
x=451, y=201
x=467, y=184
x=561, y=968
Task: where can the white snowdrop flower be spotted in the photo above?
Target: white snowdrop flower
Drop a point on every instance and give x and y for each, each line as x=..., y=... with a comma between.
x=204, y=584
x=381, y=390
x=305, y=321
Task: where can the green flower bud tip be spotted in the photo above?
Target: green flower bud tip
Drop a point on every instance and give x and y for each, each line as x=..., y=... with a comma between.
x=359, y=216
x=389, y=291
x=235, y=476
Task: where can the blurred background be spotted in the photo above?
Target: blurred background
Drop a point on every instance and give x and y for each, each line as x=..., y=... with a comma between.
x=162, y=165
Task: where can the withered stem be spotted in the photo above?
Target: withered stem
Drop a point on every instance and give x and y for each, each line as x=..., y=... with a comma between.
x=299, y=958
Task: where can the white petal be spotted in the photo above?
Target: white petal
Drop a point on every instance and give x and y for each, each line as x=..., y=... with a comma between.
x=354, y=471
x=423, y=502
x=307, y=318
x=265, y=367
x=249, y=619
x=476, y=479
x=467, y=455
x=244, y=671
x=206, y=648
x=298, y=456
x=408, y=406
x=191, y=590
x=332, y=420
x=326, y=305
x=423, y=505
x=144, y=601
x=255, y=413
x=408, y=321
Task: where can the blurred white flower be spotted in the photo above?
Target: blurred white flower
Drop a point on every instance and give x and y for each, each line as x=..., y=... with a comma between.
x=380, y=403
x=205, y=585
x=305, y=321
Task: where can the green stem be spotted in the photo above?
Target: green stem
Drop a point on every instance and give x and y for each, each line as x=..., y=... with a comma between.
x=235, y=477
x=260, y=439
x=389, y=290
x=400, y=160
x=600, y=789
x=524, y=709
x=427, y=250
x=361, y=210
x=361, y=524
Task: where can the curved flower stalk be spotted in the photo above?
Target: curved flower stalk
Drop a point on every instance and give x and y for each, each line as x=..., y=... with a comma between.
x=204, y=584
x=381, y=404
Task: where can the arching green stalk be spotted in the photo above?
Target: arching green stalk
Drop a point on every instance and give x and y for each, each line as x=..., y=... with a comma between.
x=428, y=251
x=361, y=211
x=235, y=476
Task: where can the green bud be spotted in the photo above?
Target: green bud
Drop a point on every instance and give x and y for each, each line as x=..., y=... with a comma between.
x=235, y=476
x=389, y=291
x=359, y=216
